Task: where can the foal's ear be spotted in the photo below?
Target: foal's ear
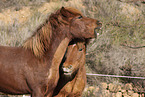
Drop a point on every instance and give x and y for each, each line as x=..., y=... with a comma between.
x=65, y=13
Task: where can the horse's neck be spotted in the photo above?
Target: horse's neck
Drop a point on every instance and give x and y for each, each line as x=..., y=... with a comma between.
x=57, y=51
x=60, y=51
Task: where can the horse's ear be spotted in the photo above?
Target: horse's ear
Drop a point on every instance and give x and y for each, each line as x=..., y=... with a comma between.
x=65, y=13
x=62, y=8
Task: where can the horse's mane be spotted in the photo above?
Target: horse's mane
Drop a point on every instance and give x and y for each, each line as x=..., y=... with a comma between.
x=40, y=40
x=73, y=10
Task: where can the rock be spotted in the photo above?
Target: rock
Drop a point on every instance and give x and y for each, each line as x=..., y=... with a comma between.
x=113, y=95
x=91, y=88
x=130, y=92
x=97, y=89
x=111, y=86
x=127, y=96
x=86, y=89
x=124, y=94
x=135, y=95
x=128, y=86
x=114, y=88
x=123, y=91
x=141, y=95
x=118, y=94
x=106, y=93
x=104, y=85
x=138, y=88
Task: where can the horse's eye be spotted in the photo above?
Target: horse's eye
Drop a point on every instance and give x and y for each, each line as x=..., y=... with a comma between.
x=80, y=17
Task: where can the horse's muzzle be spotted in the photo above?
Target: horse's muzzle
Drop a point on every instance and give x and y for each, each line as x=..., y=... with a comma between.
x=99, y=25
x=96, y=30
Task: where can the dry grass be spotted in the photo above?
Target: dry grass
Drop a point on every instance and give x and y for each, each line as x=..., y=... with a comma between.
x=122, y=40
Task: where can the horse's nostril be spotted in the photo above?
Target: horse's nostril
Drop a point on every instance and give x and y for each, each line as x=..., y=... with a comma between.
x=99, y=25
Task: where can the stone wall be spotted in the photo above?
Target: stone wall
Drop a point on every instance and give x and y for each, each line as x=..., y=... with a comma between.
x=112, y=90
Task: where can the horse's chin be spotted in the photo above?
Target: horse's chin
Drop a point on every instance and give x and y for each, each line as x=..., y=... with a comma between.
x=67, y=73
x=67, y=70
x=96, y=32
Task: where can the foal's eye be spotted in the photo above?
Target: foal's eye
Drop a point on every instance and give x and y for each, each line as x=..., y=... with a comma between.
x=70, y=67
x=80, y=17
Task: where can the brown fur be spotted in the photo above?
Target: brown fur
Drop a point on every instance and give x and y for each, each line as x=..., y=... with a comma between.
x=34, y=68
x=72, y=86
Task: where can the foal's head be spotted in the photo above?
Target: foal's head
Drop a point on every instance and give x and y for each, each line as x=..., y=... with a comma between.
x=75, y=58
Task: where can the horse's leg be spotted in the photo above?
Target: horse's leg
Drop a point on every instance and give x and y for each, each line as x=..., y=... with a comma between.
x=50, y=94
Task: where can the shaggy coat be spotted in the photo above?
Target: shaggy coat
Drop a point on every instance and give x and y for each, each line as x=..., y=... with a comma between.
x=34, y=67
x=72, y=85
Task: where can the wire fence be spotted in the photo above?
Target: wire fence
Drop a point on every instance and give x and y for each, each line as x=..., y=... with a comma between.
x=117, y=76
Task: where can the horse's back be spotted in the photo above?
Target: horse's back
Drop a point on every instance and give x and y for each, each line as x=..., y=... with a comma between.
x=12, y=56
x=11, y=70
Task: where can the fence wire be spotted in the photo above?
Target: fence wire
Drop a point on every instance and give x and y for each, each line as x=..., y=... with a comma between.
x=117, y=76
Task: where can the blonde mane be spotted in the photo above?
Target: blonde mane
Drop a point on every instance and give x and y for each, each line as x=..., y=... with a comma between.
x=40, y=40
x=73, y=10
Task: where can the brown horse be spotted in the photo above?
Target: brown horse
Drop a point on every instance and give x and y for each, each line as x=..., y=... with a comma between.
x=34, y=67
x=72, y=85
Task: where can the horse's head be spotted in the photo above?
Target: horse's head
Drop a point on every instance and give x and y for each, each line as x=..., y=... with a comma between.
x=81, y=26
x=75, y=58
x=76, y=24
